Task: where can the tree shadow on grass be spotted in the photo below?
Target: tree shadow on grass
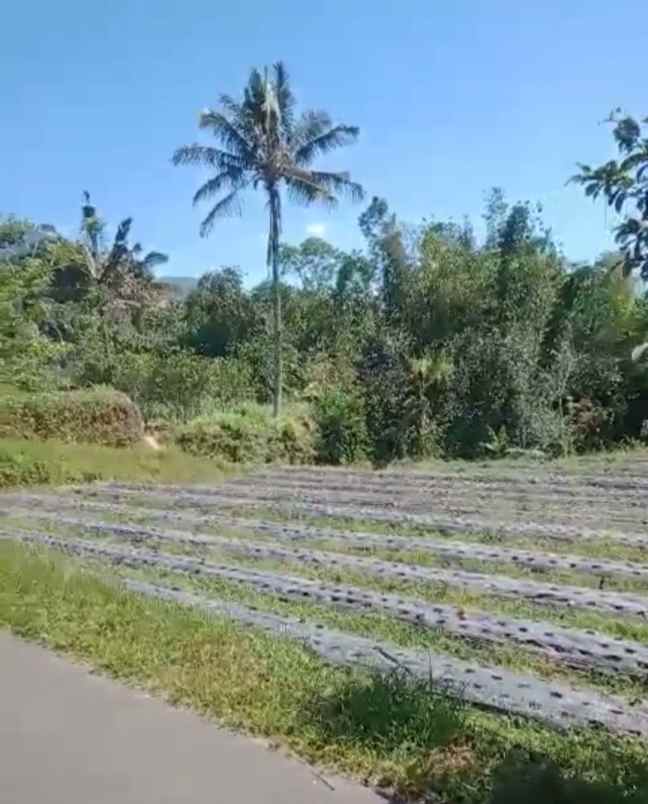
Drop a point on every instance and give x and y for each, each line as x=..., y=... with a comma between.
x=411, y=728
x=542, y=782
x=404, y=725
x=387, y=712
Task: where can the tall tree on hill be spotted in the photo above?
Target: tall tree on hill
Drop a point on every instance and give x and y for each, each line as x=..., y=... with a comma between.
x=266, y=147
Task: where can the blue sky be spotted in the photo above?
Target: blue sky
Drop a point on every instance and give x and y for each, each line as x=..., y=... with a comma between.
x=451, y=99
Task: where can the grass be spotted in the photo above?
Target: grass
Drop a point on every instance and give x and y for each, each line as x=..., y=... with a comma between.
x=28, y=462
x=389, y=731
x=632, y=628
x=421, y=558
x=382, y=626
x=371, y=624
x=606, y=546
x=619, y=458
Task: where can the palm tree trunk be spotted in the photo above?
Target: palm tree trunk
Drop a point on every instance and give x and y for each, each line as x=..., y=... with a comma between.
x=273, y=259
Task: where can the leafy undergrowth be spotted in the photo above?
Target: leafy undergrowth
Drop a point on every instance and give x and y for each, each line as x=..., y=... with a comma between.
x=390, y=731
x=97, y=416
x=249, y=434
x=30, y=462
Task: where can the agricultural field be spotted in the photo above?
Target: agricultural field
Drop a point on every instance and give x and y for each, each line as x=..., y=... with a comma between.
x=517, y=589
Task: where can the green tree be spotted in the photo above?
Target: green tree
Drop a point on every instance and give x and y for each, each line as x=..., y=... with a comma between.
x=452, y=288
x=387, y=250
x=220, y=315
x=121, y=268
x=624, y=185
x=314, y=261
x=20, y=238
x=13, y=231
x=26, y=357
x=265, y=146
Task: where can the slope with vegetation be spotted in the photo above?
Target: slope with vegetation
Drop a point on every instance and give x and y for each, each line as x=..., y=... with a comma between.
x=427, y=343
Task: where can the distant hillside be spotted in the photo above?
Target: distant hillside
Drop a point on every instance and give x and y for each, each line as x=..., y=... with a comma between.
x=182, y=285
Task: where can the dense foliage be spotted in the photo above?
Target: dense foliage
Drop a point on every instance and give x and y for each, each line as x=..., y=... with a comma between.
x=428, y=342
x=99, y=416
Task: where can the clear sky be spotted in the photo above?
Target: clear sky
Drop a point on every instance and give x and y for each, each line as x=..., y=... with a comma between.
x=451, y=99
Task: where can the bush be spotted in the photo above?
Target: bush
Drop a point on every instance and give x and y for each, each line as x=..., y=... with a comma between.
x=383, y=372
x=250, y=435
x=341, y=427
x=178, y=385
x=100, y=416
x=498, y=387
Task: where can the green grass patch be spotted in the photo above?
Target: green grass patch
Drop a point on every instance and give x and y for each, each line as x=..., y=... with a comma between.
x=29, y=463
x=390, y=731
x=613, y=461
x=370, y=624
x=421, y=558
x=633, y=628
x=383, y=627
x=604, y=546
x=452, y=593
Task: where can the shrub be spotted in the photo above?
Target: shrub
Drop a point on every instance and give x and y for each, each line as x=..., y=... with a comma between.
x=178, y=385
x=100, y=416
x=498, y=386
x=383, y=372
x=249, y=434
x=341, y=427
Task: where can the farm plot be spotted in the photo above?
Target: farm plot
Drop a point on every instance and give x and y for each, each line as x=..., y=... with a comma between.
x=526, y=594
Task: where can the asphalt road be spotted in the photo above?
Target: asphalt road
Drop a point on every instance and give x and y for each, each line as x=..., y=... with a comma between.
x=70, y=737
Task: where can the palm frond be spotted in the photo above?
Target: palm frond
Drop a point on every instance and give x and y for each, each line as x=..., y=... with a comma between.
x=285, y=97
x=123, y=231
x=254, y=98
x=154, y=258
x=227, y=131
x=338, y=183
x=304, y=189
x=227, y=178
x=204, y=155
x=91, y=262
x=230, y=106
x=324, y=142
x=119, y=249
x=311, y=124
x=228, y=205
x=263, y=146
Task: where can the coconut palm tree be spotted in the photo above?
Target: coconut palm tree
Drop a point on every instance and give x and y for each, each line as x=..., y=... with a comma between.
x=266, y=147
